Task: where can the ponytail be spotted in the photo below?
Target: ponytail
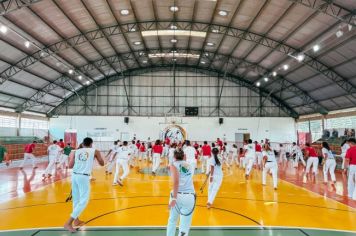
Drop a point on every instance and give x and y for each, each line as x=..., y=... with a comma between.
x=215, y=155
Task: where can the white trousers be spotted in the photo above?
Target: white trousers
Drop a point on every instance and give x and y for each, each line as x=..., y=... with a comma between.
x=142, y=155
x=156, y=160
x=214, y=187
x=259, y=158
x=124, y=163
x=343, y=155
x=330, y=165
x=273, y=167
x=312, y=161
x=80, y=194
x=28, y=156
x=248, y=164
x=185, y=204
x=282, y=157
x=111, y=165
x=51, y=165
x=204, y=164
x=299, y=156
x=351, y=182
x=64, y=160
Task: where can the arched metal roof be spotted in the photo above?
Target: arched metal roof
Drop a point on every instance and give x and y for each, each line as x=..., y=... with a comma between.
x=93, y=40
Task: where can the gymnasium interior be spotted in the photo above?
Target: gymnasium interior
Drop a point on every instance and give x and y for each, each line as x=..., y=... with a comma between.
x=198, y=70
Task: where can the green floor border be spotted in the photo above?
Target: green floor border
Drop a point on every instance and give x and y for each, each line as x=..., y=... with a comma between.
x=195, y=231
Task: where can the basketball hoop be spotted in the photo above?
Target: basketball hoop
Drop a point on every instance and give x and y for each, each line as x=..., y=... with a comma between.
x=173, y=118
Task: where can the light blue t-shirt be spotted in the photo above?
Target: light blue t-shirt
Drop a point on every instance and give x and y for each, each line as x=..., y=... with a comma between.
x=84, y=160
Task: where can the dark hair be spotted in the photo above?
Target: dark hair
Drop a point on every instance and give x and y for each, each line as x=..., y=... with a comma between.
x=326, y=145
x=213, y=144
x=115, y=142
x=80, y=146
x=249, y=141
x=87, y=142
x=158, y=142
x=179, y=154
x=255, y=142
x=60, y=140
x=173, y=145
x=342, y=144
x=205, y=142
x=294, y=143
x=187, y=142
x=225, y=143
x=124, y=143
x=241, y=151
x=215, y=152
x=133, y=141
x=34, y=141
x=267, y=147
x=234, y=145
x=54, y=141
x=307, y=144
x=352, y=140
x=68, y=144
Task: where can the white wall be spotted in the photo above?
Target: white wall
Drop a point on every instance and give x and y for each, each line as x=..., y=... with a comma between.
x=276, y=129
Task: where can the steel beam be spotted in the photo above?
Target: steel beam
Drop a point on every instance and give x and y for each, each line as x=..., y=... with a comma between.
x=8, y=6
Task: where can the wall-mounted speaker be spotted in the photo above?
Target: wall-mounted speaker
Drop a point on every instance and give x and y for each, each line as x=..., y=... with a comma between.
x=126, y=120
x=221, y=121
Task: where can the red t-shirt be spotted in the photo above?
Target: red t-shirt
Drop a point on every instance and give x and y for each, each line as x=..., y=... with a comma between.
x=351, y=154
x=219, y=143
x=167, y=141
x=138, y=145
x=142, y=148
x=258, y=148
x=61, y=144
x=29, y=148
x=206, y=150
x=157, y=149
x=312, y=152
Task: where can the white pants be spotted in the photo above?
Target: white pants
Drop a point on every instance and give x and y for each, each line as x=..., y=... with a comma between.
x=351, y=182
x=343, y=160
x=312, y=161
x=80, y=194
x=273, y=167
x=299, y=156
x=282, y=157
x=142, y=155
x=330, y=165
x=242, y=162
x=214, y=187
x=124, y=163
x=259, y=158
x=156, y=160
x=235, y=158
x=192, y=166
x=64, y=160
x=51, y=165
x=248, y=164
x=204, y=164
x=28, y=156
x=110, y=165
x=185, y=204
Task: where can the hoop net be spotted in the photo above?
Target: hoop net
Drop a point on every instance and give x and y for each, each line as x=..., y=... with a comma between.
x=173, y=118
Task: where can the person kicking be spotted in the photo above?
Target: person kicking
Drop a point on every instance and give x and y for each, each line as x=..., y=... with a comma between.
x=81, y=161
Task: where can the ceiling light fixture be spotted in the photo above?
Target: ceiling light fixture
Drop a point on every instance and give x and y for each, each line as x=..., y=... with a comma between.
x=174, y=27
x=27, y=44
x=300, y=57
x=174, y=40
x=266, y=79
x=132, y=30
x=316, y=48
x=173, y=33
x=124, y=12
x=87, y=83
x=339, y=33
x=285, y=67
x=3, y=29
x=274, y=73
x=202, y=62
x=222, y=13
x=144, y=62
x=258, y=84
x=137, y=43
x=70, y=71
x=210, y=44
x=174, y=8
x=80, y=77
x=216, y=31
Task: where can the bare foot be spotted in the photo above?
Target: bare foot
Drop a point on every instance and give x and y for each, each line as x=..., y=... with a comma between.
x=208, y=205
x=78, y=222
x=69, y=228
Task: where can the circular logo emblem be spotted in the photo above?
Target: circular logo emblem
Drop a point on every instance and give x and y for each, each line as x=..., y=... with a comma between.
x=175, y=133
x=83, y=156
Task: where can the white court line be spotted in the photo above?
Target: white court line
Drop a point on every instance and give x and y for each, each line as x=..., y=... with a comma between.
x=192, y=227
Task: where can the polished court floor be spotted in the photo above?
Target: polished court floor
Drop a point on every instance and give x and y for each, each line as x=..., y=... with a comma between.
x=28, y=203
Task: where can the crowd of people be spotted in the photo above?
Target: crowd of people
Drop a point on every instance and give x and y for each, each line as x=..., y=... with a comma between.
x=181, y=161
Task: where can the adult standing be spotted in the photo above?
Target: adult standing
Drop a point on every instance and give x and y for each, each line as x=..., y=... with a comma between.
x=28, y=155
x=329, y=163
x=189, y=153
x=344, y=147
x=350, y=164
x=216, y=177
x=250, y=155
x=157, y=150
x=269, y=164
x=53, y=152
x=313, y=160
x=206, y=150
x=122, y=161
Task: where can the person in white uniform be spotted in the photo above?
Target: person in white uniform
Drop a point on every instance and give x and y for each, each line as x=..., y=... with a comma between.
x=250, y=155
x=216, y=177
x=269, y=165
x=329, y=163
x=111, y=157
x=53, y=151
x=123, y=155
x=344, y=147
x=134, y=154
x=81, y=161
x=298, y=155
x=282, y=154
x=234, y=153
x=189, y=153
x=182, y=196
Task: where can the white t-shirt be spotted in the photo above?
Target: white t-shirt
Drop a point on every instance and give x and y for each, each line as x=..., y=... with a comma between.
x=344, y=148
x=328, y=152
x=217, y=168
x=251, y=151
x=234, y=151
x=84, y=159
x=270, y=156
x=185, y=177
x=53, y=150
x=296, y=150
x=124, y=152
x=189, y=152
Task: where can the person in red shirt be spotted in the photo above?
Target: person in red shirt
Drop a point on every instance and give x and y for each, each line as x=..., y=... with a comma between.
x=206, y=151
x=61, y=143
x=313, y=159
x=219, y=143
x=142, y=152
x=157, y=150
x=138, y=144
x=28, y=155
x=350, y=164
x=259, y=156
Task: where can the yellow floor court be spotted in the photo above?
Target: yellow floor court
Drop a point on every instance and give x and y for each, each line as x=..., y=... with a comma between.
x=143, y=201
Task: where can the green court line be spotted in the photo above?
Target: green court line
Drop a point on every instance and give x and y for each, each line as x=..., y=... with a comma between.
x=199, y=231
